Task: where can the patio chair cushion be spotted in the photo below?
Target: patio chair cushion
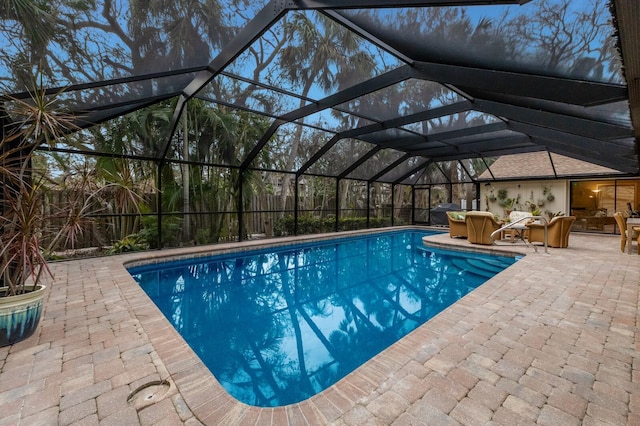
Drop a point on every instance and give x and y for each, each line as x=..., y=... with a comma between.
x=480, y=226
x=457, y=225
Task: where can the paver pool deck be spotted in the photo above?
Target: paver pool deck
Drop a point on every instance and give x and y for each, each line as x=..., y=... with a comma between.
x=552, y=340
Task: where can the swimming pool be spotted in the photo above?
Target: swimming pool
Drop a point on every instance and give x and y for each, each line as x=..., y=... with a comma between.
x=276, y=326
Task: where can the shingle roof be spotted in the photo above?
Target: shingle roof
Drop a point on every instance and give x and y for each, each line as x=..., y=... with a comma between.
x=541, y=164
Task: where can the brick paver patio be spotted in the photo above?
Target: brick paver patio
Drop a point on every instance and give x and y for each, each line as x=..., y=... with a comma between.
x=549, y=341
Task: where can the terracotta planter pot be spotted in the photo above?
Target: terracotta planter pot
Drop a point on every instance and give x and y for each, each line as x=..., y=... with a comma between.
x=19, y=315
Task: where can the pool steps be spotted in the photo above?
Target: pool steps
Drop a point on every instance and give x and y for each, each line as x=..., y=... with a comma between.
x=484, y=267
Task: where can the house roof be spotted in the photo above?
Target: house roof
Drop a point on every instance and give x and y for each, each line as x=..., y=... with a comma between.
x=542, y=165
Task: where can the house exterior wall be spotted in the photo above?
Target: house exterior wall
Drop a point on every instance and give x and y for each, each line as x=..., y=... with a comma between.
x=549, y=197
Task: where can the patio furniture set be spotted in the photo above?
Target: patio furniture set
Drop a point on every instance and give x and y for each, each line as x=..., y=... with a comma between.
x=477, y=227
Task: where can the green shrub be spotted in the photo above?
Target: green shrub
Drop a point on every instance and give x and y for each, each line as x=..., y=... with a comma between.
x=133, y=242
x=171, y=230
x=316, y=225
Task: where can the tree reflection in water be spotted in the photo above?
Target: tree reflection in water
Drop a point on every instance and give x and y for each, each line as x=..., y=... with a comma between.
x=278, y=327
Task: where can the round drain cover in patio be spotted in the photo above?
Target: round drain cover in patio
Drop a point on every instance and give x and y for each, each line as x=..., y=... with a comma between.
x=149, y=393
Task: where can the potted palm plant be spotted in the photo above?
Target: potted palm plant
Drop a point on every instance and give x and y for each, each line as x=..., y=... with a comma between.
x=22, y=263
x=26, y=123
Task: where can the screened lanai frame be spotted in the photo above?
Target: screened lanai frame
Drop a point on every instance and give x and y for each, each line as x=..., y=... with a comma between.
x=528, y=109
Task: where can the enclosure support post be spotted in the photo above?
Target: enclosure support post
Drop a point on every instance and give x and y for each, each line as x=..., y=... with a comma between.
x=393, y=207
x=240, y=206
x=186, y=223
x=295, y=206
x=477, y=197
x=413, y=204
x=429, y=204
x=368, y=205
x=337, y=209
x=159, y=204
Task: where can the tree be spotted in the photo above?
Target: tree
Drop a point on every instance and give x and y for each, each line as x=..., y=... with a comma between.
x=28, y=27
x=565, y=38
x=319, y=53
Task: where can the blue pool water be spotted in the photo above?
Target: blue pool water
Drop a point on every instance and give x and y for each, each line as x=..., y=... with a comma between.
x=277, y=326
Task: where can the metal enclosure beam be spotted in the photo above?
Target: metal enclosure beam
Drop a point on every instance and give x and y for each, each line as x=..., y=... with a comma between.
x=359, y=162
x=583, y=148
x=408, y=119
x=376, y=83
x=389, y=167
x=319, y=153
x=565, y=123
x=576, y=92
x=377, y=4
x=413, y=171
x=270, y=14
x=429, y=140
